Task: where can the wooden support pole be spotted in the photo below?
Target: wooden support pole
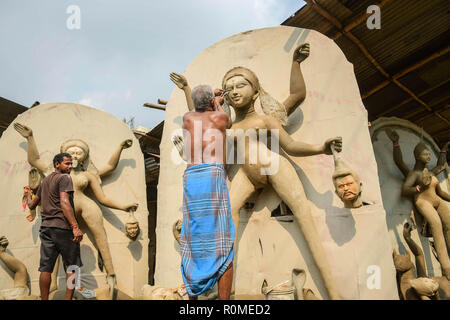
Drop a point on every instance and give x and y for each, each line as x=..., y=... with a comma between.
x=154, y=106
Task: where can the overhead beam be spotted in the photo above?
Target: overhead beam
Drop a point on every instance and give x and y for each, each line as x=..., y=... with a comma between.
x=406, y=70
x=428, y=115
x=441, y=132
x=367, y=54
x=435, y=103
x=391, y=109
x=357, y=21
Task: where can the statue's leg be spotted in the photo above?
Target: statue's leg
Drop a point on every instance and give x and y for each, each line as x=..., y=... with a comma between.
x=92, y=215
x=290, y=189
x=444, y=214
x=432, y=217
x=241, y=189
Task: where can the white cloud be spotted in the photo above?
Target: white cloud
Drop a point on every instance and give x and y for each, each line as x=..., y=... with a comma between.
x=123, y=53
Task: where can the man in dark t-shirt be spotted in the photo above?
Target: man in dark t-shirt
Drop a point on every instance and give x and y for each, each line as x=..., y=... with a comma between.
x=59, y=232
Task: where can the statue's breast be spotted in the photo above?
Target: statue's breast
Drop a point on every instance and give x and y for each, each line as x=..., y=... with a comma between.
x=80, y=181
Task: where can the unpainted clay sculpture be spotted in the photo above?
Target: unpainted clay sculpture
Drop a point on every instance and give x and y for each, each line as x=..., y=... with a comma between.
x=348, y=186
x=429, y=198
x=132, y=229
x=422, y=287
x=244, y=89
x=34, y=181
x=20, y=290
x=160, y=293
x=176, y=230
x=84, y=174
x=298, y=280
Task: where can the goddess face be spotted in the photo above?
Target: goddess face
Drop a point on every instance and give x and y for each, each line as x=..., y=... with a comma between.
x=241, y=92
x=78, y=155
x=425, y=156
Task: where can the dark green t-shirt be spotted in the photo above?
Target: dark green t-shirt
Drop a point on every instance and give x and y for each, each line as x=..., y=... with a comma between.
x=48, y=192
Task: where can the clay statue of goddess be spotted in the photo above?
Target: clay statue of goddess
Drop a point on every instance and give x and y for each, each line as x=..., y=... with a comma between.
x=85, y=174
x=243, y=89
x=429, y=198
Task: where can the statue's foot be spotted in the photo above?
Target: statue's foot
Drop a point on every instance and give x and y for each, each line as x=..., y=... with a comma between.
x=298, y=279
x=111, y=280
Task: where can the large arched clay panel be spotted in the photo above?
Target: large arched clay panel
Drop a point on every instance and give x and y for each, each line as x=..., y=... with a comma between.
x=52, y=124
x=353, y=240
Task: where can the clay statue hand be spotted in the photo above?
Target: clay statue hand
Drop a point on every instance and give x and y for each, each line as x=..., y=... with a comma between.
x=407, y=228
x=301, y=52
x=335, y=142
x=392, y=134
x=179, y=80
x=3, y=243
x=179, y=144
x=131, y=207
x=23, y=130
x=126, y=144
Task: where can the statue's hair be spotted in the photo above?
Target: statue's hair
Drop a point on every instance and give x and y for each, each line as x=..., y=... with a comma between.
x=420, y=147
x=248, y=74
x=202, y=96
x=75, y=143
x=343, y=173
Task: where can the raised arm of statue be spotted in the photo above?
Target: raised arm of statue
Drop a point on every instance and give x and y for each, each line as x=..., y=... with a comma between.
x=442, y=160
x=13, y=264
x=33, y=154
x=416, y=250
x=297, y=84
x=182, y=83
x=297, y=148
x=103, y=199
x=114, y=160
x=397, y=152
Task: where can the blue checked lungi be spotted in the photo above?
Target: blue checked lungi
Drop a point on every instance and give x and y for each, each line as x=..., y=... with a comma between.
x=207, y=232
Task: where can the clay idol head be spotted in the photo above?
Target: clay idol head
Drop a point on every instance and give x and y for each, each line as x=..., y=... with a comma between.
x=132, y=229
x=347, y=184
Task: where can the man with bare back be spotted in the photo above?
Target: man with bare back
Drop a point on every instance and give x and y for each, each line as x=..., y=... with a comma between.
x=208, y=232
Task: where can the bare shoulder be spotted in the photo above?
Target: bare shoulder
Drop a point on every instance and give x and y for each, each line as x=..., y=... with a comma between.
x=188, y=115
x=219, y=115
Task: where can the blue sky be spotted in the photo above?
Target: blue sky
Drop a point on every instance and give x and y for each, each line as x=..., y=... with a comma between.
x=123, y=52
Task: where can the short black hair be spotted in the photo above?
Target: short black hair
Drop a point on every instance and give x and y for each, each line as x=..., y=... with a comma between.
x=60, y=157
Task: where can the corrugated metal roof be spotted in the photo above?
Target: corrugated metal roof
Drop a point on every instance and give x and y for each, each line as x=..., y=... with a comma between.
x=9, y=110
x=410, y=32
